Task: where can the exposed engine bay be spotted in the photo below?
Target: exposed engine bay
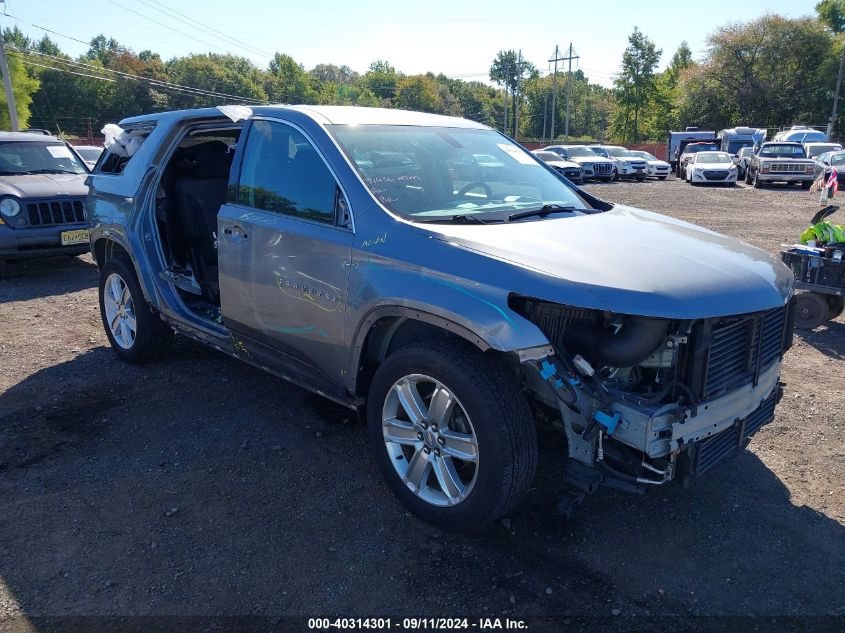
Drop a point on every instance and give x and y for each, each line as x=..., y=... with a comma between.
x=644, y=401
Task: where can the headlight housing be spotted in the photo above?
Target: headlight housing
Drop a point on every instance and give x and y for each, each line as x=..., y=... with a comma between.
x=765, y=166
x=10, y=207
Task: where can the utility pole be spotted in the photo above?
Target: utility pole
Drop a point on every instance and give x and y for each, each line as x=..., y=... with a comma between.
x=7, y=81
x=516, y=95
x=555, y=59
x=836, y=97
x=545, y=113
x=568, y=89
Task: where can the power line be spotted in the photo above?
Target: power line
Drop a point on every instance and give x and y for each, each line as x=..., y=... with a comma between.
x=65, y=70
x=155, y=82
x=46, y=30
x=186, y=19
x=167, y=26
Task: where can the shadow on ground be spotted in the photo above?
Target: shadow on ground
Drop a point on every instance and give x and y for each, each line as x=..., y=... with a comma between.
x=201, y=486
x=30, y=278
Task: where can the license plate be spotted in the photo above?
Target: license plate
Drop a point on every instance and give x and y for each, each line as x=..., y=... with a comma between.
x=69, y=238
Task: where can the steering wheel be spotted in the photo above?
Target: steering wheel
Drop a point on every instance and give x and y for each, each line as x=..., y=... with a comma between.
x=475, y=185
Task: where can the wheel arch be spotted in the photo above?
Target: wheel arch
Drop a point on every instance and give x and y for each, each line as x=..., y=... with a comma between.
x=106, y=247
x=387, y=328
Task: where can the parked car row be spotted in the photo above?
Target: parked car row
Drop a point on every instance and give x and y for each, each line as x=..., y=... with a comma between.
x=603, y=162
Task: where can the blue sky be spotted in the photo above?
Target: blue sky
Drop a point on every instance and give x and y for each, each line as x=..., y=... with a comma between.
x=458, y=38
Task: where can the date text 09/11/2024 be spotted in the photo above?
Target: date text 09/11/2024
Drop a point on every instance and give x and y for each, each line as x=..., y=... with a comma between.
x=410, y=624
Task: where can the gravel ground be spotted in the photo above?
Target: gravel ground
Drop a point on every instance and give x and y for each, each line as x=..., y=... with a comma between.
x=202, y=486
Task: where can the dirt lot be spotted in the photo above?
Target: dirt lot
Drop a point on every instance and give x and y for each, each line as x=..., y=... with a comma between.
x=201, y=486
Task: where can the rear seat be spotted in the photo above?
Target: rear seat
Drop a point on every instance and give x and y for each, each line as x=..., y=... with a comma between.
x=200, y=188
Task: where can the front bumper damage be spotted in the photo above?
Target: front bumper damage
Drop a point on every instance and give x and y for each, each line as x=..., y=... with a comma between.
x=633, y=442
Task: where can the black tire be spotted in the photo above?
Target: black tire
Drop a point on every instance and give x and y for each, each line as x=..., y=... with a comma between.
x=153, y=336
x=615, y=177
x=747, y=176
x=835, y=305
x=811, y=310
x=640, y=178
x=756, y=182
x=498, y=410
x=661, y=177
x=806, y=184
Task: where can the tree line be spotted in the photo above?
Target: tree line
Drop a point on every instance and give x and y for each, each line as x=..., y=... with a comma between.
x=770, y=72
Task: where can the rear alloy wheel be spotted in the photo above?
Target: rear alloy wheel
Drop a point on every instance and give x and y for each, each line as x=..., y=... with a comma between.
x=136, y=334
x=452, y=433
x=811, y=310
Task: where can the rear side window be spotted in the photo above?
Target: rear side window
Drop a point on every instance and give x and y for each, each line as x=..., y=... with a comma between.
x=112, y=161
x=282, y=172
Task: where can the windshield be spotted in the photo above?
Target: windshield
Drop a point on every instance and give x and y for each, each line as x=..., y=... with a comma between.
x=432, y=173
x=746, y=151
x=581, y=152
x=805, y=137
x=837, y=159
x=644, y=155
x=734, y=146
x=782, y=151
x=619, y=152
x=817, y=150
x=30, y=157
x=548, y=156
x=714, y=157
x=706, y=147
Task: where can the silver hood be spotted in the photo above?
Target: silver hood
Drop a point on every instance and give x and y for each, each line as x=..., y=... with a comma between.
x=634, y=262
x=43, y=185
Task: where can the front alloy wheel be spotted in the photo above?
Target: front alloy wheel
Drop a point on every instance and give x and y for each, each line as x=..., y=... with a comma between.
x=452, y=433
x=430, y=440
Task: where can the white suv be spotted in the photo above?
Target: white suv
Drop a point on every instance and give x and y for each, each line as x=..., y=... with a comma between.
x=625, y=164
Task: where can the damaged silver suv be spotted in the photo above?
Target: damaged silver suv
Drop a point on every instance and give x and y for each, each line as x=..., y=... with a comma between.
x=349, y=251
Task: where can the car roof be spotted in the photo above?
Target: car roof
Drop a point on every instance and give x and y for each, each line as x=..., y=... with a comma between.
x=28, y=136
x=325, y=115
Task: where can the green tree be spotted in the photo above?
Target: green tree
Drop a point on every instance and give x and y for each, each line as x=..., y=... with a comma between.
x=832, y=14
x=510, y=70
x=635, y=85
x=662, y=114
x=287, y=81
x=381, y=79
x=418, y=92
x=24, y=86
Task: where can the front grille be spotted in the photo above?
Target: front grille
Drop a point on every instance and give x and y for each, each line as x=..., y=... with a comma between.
x=572, y=173
x=730, y=352
x=52, y=212
x=715, y=174
x=786, y=168
x=816, y=271
x=602, y=168
x=641, y=165
x=714, y=450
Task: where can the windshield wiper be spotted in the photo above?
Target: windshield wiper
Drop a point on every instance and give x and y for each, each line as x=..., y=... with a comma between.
x=542, y=212
x=459, y=219
x=51, y=171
